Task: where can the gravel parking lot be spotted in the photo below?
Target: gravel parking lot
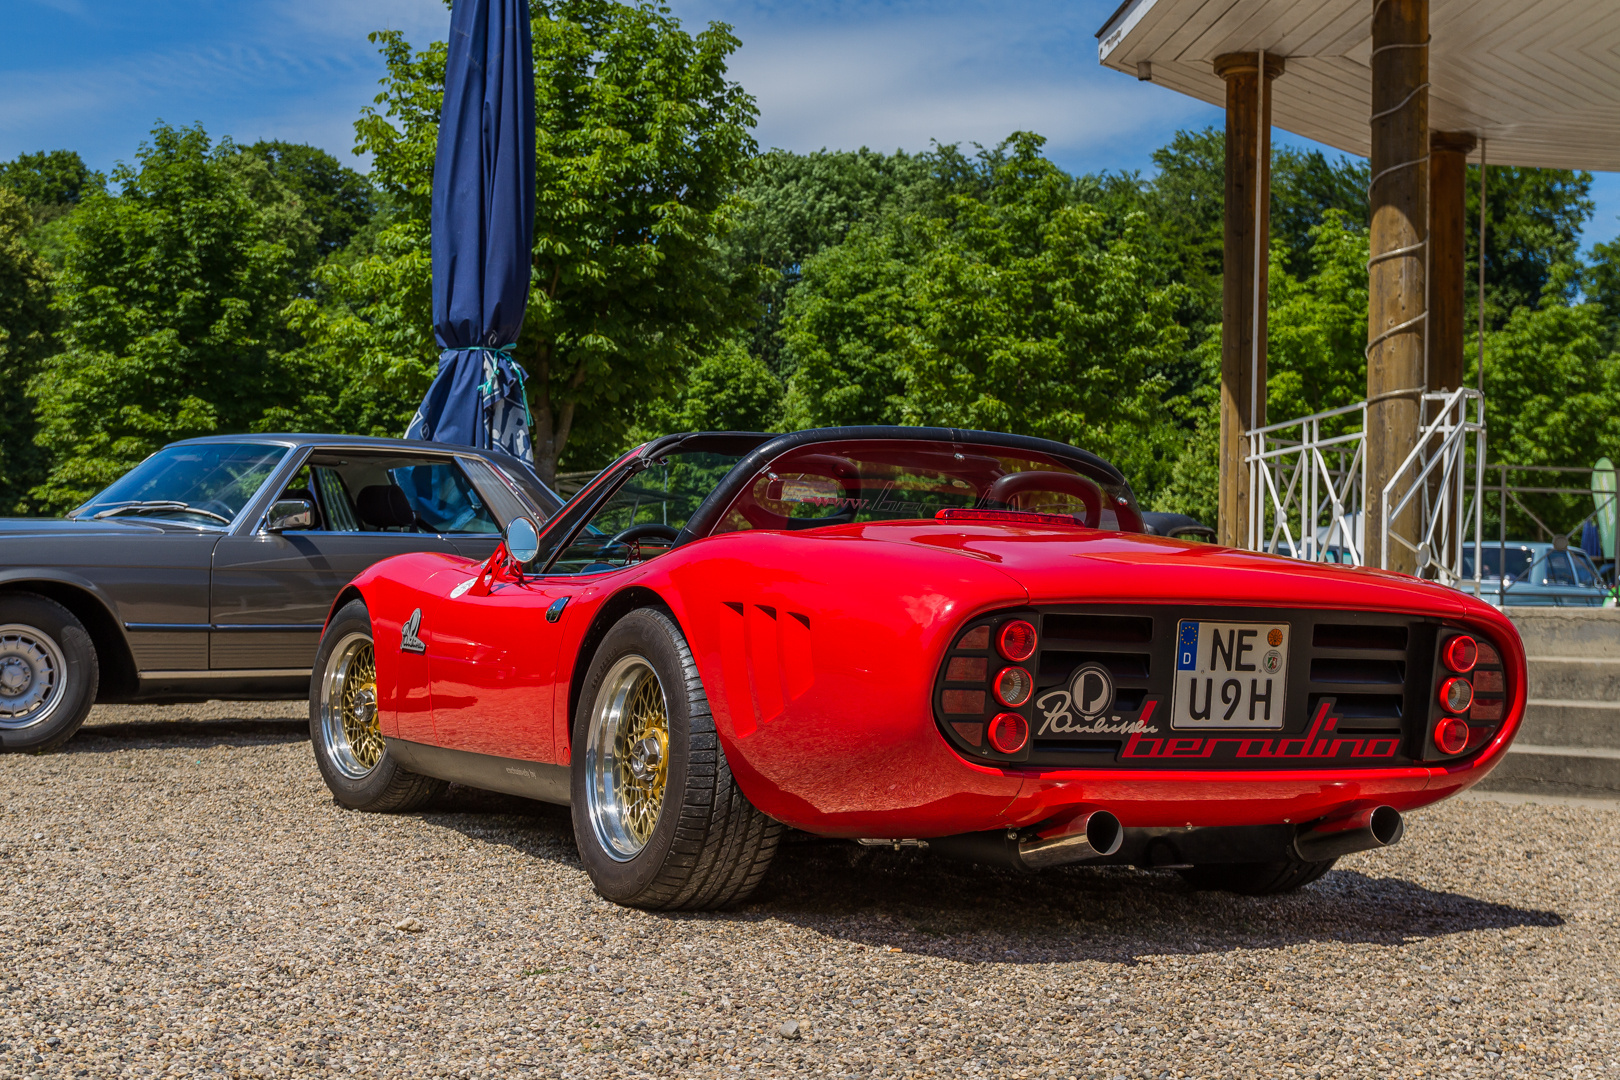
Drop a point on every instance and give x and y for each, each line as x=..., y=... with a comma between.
x=179, y=895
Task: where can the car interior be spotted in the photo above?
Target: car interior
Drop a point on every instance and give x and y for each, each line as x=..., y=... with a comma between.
x=357, y=492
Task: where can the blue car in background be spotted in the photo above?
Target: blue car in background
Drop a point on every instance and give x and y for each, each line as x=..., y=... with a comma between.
x=1537, y=575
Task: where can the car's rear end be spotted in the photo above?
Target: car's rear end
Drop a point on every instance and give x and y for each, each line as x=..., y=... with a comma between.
x=1221, y=706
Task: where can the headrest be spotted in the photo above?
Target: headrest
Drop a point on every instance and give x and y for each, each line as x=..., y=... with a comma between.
x=384, y=506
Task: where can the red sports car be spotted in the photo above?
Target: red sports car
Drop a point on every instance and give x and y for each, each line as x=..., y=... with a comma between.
x=920, y=636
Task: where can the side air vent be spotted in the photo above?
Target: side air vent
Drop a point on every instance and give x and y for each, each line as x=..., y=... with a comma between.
x=1388, y=637
x=1097, y=630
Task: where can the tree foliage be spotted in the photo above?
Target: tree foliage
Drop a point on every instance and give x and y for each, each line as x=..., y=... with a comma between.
x=27, y=337
x=171, y=299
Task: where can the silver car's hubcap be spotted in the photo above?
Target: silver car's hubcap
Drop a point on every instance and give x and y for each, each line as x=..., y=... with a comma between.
x=351, y=737
x=32, y=675
x=627, y=758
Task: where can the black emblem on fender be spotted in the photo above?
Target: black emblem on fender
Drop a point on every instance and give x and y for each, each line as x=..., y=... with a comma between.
x=408, y=641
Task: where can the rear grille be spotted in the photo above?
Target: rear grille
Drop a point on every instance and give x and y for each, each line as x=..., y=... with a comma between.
x=1372, y=671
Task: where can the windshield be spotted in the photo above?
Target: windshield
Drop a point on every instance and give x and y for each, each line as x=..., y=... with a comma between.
x=642, y=518
x=1518, y=561
x=198, y=484
x=898, y=480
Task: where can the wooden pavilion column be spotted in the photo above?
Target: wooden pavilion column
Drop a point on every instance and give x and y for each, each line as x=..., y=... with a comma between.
x=1448, y=270
x=1243, y=367
x=1396, y=282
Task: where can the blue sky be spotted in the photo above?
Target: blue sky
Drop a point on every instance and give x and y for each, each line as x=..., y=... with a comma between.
x=93, y=75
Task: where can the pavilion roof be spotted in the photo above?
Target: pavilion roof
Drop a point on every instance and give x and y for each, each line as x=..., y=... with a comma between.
x=1539, y=79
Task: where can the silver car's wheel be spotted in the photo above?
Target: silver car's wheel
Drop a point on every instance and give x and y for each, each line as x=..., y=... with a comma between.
x=627, y=757
x=351, y=737
x=33, y=674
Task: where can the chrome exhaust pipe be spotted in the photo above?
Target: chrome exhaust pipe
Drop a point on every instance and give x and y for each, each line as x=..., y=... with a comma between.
x=1361, y=830
x=1091, y=834
x=1094, y=834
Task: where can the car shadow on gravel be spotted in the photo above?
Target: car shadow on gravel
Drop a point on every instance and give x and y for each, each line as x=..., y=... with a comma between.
x=927, y=906
x=536, y=829
x=160, y=734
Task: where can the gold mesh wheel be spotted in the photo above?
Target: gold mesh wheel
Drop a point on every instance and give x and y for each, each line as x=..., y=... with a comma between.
x=627, y=757
x=350, y=734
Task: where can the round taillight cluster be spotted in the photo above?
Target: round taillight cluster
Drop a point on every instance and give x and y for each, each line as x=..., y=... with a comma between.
x=1013, y=686
x=1017, y=640
x=1451, y=735
x=1456, y=695
x=1008, y=732
x=1460, y=654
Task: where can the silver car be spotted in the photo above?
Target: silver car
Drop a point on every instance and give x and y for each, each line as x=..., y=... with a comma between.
x=1537, y=574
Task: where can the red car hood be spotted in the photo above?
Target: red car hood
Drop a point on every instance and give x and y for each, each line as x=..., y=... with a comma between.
x=1062, y=564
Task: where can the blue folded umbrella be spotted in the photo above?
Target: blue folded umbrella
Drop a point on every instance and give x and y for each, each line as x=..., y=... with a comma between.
x=483, y=230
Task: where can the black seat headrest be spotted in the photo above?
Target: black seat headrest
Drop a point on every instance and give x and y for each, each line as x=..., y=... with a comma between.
x=384, y=506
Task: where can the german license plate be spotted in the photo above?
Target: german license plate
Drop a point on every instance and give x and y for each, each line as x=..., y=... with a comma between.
x=1229, y=675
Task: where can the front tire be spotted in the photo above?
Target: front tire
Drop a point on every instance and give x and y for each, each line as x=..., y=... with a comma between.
x=343, y=723
x=1256, y=879
x=48, y=673
x=659, y=819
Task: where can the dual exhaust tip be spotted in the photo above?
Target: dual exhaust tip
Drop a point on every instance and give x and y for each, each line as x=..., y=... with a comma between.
x=1093, y=835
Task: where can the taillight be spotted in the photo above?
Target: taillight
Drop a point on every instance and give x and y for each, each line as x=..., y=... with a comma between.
x=1451, y=735
x=1008, y=732
x=1456, y=695
x=1460, y=654
x=1017, y=641
x=1013, y=686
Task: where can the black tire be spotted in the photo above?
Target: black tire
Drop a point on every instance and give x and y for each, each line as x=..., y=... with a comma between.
x=48, y=673
x=708, y=846
x=364, y=776
x=1256, y=879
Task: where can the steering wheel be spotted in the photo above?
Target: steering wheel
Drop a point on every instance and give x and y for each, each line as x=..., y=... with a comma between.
x=999, y=495
x=646, y=530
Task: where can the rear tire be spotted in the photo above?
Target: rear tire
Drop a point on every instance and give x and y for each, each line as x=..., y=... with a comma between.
x=659, y=819
x=1256, y=879
x=343, y=723
x=48, y=673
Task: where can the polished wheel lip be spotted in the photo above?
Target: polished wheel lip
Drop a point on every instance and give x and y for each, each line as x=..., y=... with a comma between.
x=351, y=738
x=627, y=757
x=32, y=661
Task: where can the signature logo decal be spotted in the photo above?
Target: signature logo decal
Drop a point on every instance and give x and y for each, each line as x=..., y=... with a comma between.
x=408, y=641
x=1321, y=743
x=1082, y=708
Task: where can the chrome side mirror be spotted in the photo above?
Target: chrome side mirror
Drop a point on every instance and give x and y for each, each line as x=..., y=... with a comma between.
x=522, y=541
x=290, y=514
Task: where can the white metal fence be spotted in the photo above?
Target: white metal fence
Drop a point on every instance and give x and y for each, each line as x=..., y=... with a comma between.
x=1308, y=489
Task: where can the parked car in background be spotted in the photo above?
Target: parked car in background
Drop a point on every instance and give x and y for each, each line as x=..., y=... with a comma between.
x=207, y=571
x=1537, y=574
x=1180, y=526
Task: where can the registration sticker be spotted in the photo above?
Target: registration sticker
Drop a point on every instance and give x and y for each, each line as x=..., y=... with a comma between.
x=1229, y=675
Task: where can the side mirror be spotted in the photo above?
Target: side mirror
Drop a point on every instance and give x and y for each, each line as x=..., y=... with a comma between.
x=290, y=514
x=522, y=541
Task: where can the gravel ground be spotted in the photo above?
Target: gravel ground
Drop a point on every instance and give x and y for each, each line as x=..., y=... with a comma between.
x=179, y=895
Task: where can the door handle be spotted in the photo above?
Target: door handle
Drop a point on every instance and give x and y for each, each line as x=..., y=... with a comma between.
x=554, y=612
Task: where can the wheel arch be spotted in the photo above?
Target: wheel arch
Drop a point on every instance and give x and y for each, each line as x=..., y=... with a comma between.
x=118, y=677
x=349, y=592
x=606, y=615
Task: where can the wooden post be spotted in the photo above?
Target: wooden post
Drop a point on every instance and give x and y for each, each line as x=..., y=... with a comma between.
x=1243, y=365
x=1396, y=280
x=1448, y=229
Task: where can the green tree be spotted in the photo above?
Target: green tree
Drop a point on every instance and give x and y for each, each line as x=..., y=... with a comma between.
x=1532, y=230
x=338, y=201
x=1016, y=313
x=27, y=332
x=641, y=144
x=171, y=300
x=51, y=184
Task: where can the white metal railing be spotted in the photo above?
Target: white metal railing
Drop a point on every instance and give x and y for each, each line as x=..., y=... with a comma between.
x=1437, y=480
x=1308, y=488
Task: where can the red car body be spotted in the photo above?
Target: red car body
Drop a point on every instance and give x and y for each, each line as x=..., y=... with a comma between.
x=822, y=653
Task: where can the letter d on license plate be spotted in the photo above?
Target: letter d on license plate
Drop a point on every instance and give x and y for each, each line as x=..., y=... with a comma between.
x=1229, y=675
